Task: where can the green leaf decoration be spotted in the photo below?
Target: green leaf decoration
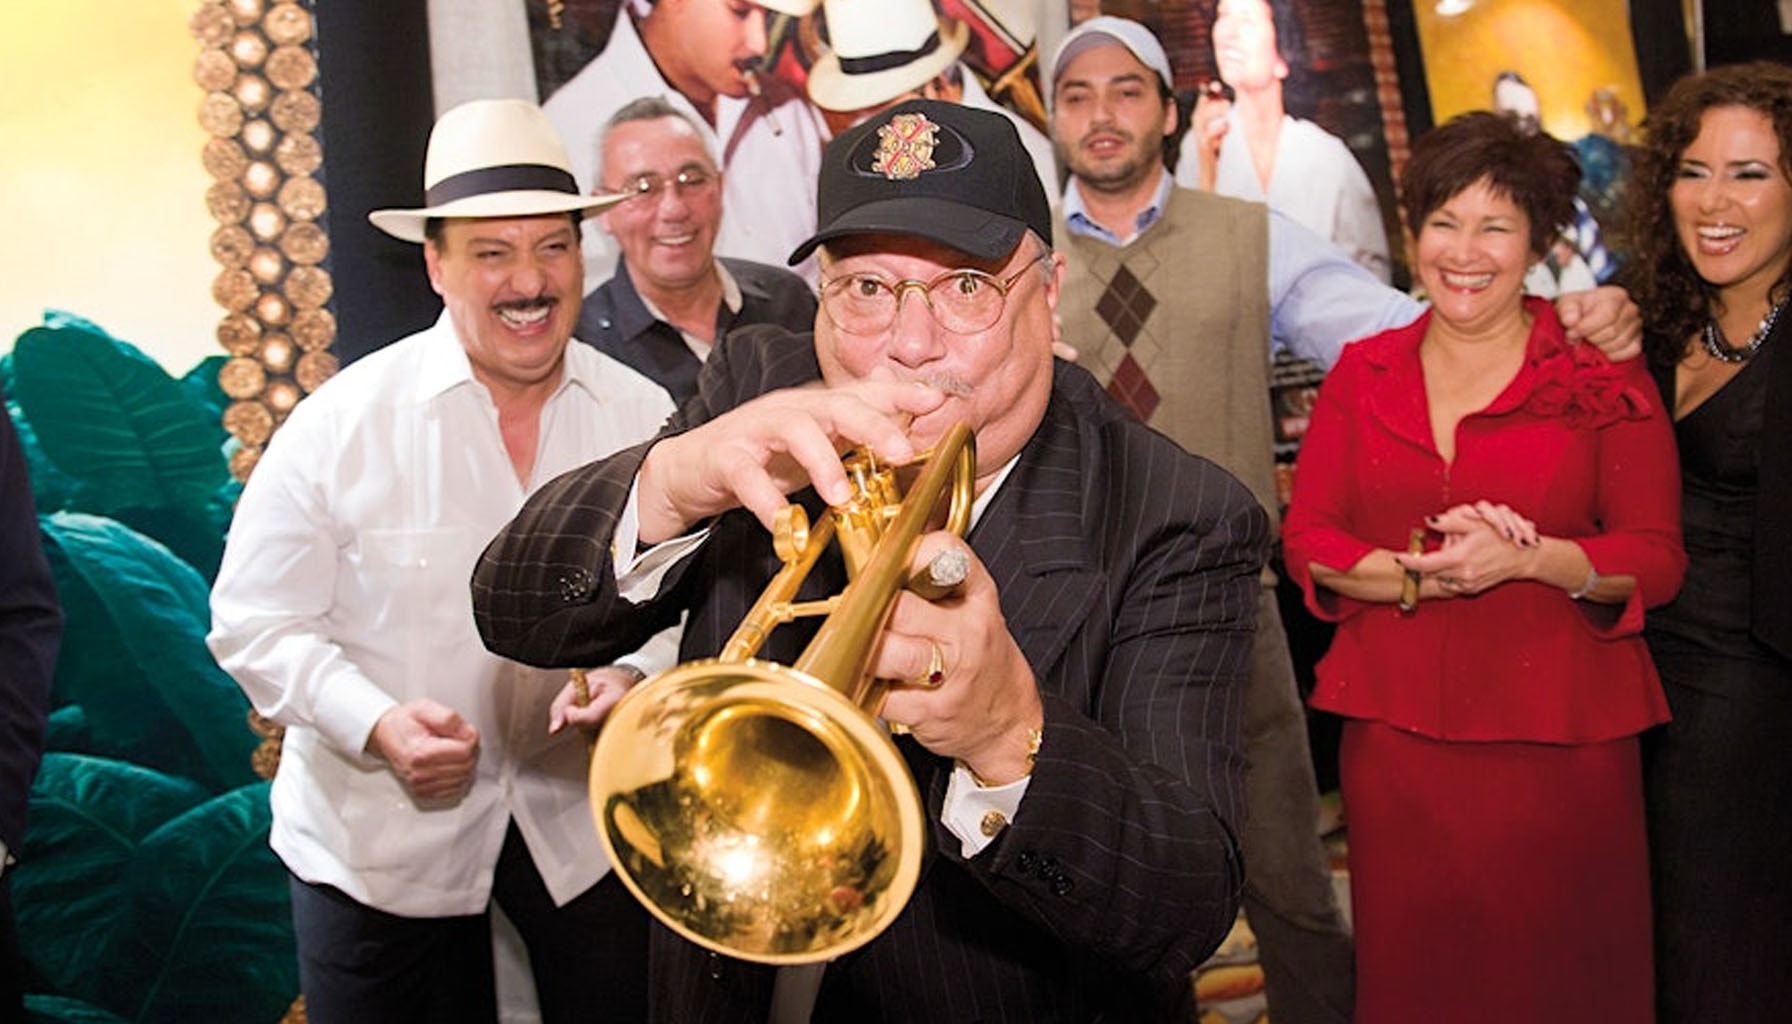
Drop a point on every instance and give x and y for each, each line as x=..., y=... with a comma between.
x=195, y=534
x=211, y=917
x=68, y=731
x=51, y=488
x=42, y=1009
x=89, y=818
x=108, y=415
x=62, y=319
x=201, y=385
x=136, y=661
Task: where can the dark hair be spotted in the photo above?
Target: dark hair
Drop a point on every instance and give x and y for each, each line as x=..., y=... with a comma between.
x=1535, y=170
x=432, y=226
x=1298, y=90
x=1291, y=45
x=1675, y=301
x=1291, y=35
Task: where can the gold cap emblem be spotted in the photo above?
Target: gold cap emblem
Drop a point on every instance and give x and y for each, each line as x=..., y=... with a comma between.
x=905, y=147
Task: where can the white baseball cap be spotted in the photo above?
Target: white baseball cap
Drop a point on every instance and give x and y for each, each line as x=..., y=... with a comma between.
x=1108, y=30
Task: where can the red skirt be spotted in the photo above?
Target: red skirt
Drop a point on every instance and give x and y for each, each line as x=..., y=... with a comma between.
x=1496, y=882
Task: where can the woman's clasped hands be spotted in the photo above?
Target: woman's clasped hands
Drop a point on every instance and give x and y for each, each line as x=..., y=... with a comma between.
x=1484, y=544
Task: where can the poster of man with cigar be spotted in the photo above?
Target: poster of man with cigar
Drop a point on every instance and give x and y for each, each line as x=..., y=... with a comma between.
x=708, y=58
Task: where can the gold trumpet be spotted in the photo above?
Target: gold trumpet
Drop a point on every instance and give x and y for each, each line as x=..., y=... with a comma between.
x=762, y=811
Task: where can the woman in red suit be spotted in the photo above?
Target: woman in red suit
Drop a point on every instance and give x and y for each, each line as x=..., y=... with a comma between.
x=1493, y=685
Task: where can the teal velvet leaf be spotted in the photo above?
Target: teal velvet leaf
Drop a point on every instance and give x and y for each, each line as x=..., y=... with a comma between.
x=68, y=731
x=211, y=936
x=51, y=488
x=70, y=891
x=42, y=1009
x=195, y=534
x=111, y=417
x=136, y=661
x=62, y=319
x=201, y=385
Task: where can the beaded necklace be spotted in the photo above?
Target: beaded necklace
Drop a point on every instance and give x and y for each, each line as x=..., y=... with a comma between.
x=1720, y=347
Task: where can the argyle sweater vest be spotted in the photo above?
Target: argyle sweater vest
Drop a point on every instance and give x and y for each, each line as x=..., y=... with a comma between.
x=1176, y=327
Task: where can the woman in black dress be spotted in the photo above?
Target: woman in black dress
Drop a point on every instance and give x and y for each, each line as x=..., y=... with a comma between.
x=1712, y=271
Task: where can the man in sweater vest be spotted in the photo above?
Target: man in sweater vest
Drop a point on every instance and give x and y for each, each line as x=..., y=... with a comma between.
x=1176, y=299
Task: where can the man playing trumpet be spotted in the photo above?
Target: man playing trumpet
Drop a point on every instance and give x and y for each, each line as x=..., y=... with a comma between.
x=1071, y=709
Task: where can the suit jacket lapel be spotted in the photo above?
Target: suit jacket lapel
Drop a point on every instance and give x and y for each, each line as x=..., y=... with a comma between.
x=1036, y=553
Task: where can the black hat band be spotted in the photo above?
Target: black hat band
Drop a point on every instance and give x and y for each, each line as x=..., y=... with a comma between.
x=886, y=61
x=503, y=178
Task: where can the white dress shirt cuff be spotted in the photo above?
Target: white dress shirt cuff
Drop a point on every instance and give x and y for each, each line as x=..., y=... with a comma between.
x=977, y=815
x=347, y=718
x=638, y=576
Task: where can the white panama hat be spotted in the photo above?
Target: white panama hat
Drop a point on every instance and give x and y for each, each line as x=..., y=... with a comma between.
x=492, y=158
x=881, y=49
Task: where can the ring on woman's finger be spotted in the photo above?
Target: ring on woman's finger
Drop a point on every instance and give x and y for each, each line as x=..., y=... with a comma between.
x=936, y=668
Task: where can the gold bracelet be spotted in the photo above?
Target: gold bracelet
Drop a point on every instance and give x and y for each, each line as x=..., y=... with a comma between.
x=1035, y=737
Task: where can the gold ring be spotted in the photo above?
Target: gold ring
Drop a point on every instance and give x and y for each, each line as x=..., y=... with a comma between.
x=936, y=668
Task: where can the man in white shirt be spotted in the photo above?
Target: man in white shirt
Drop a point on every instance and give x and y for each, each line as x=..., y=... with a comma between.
x=418, y=783
x=702, y=56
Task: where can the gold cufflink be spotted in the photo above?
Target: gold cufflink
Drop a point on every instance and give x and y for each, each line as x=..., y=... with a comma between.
x=993, y=824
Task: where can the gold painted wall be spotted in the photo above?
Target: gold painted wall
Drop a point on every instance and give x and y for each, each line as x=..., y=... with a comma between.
x=102, y=193
x=1564, y=48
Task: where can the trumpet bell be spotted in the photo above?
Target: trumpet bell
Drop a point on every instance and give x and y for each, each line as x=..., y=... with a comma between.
x=757, y=811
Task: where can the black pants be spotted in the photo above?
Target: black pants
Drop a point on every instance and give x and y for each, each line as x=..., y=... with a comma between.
x=358, y=965
x=12, y=960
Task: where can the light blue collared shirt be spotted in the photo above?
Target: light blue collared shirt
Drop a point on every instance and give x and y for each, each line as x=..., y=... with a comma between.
x=1076, y=213
x=1319, y=299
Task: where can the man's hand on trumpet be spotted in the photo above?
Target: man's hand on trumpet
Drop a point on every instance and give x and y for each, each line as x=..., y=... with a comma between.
x=777, y=444
x=964, y=689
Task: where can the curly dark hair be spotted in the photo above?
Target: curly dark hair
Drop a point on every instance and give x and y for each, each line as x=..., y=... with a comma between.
x=1675, y=301
x=1536, y=171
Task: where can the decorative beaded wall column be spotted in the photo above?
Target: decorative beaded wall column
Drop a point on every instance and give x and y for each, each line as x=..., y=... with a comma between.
x=258, y=68
x=1387, y=89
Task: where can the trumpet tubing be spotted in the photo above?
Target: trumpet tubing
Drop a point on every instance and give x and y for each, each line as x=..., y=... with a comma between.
x=762, y=810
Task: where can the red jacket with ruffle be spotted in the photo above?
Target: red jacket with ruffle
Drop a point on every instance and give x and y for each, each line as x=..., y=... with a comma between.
x=1579, y=445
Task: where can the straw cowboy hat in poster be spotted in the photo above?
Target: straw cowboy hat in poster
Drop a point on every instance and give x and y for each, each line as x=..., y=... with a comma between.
x=881, y=49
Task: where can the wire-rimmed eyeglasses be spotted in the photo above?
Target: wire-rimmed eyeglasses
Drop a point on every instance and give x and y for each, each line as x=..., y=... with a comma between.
x=651, y=184
x=962, y=301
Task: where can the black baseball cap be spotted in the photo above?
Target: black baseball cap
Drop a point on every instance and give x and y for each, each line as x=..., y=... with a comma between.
x=942, y=171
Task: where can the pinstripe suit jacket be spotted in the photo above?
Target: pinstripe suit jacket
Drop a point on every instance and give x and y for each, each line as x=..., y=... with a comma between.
x=1128, y=573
